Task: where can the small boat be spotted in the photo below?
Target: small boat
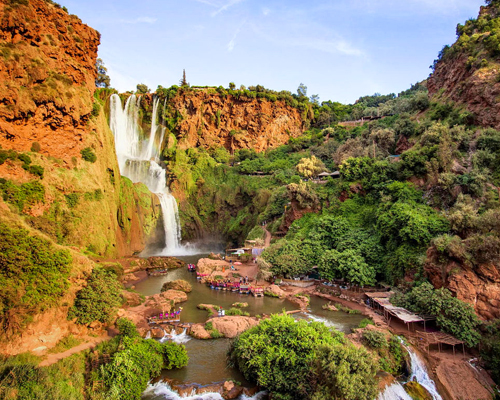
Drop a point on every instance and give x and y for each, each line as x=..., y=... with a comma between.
x=244, y=289
x=257, y=291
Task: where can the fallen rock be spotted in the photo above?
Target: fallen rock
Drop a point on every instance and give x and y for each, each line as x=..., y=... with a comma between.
x=330, y=307
x=417, y=391
x=301, y=301
x=179, y=284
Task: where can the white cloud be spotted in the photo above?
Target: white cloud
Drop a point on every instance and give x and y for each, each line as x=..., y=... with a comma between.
x=266, y=11
x=232, y=42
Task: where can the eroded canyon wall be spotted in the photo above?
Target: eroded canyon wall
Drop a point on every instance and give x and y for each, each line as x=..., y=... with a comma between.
x=49, y=116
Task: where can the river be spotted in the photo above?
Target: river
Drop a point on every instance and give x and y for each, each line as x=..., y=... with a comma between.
x=207, y=358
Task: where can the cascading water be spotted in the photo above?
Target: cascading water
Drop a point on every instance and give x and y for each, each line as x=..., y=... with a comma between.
x=163, y=391
x=419, y=374
x=138, y=160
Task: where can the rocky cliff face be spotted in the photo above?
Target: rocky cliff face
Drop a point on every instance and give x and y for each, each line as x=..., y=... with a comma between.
x=479, y=285
x=48, y=113
x=212, y=120
x=47, y=78
x=468, y=71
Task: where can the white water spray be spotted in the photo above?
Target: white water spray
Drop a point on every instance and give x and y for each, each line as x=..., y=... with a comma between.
x=138, y=160
x=180, y=338
x=162, y=390
x=419, y=374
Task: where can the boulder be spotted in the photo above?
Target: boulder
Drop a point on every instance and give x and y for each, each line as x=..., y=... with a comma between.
x=198, y=331
x=179, y=284
x=275, y=290
x=131, y=299
x=232, y=326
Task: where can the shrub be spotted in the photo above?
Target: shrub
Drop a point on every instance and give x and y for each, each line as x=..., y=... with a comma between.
x=36, y=170
x=33, y=275
x=127, y=328
x=88, y=155
x=96, y=108
x=26, y=194
x=72, y=199
x=236, y=311
x=99, y=299
x=375, y=339
x=299, y=360
x=365, y=322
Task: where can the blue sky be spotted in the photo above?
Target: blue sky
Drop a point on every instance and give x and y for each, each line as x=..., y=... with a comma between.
x=340, y=49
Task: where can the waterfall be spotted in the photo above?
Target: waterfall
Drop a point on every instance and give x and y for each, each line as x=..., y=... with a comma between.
x=162, y=390
x=139, y=158
x=419, y=374
x=396, y=391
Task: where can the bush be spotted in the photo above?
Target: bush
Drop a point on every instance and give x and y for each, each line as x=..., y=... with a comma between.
x=33, y=275
x=300, y=360
x=24, y=195
x=88, y=155
x=375, y=339
x=99, y=299
x=72, y=199
x=36, y=170
x=127, y=328
x=365, y=322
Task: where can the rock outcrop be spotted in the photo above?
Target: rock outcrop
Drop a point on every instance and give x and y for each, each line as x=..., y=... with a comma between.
x=179, y=284
x=213, y=120
x=232, y=326
x=47, y=79
x=479, y=286
x=467, y=74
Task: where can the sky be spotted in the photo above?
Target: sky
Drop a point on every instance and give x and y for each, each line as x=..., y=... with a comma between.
x=340, y=49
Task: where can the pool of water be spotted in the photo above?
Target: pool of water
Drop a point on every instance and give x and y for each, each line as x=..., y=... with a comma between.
x=207, y=358
x=202, y=294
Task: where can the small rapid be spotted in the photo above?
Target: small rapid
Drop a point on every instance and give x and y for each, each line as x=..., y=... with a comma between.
x=178, y=338
x=163, y=391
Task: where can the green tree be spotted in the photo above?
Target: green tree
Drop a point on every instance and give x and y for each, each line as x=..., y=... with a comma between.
x=142, y=88
x=183, y=81
x=102, y=80
x=302, y=90
x=300, y=360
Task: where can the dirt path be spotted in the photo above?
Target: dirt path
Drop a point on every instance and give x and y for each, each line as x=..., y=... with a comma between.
x=91, y=343
x=267, y=240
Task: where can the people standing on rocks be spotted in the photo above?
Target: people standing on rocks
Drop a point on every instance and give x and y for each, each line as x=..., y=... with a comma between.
x=246, y=279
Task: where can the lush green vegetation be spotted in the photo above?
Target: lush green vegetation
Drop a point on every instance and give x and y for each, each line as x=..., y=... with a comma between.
x=299, y=360
x=98, y=300
x=127, y=361
x=452, y=315
x=33, y=276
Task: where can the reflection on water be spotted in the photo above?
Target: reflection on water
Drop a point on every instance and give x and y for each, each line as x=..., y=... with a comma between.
x=207, y=363
x=207, y=358
x=202, y=294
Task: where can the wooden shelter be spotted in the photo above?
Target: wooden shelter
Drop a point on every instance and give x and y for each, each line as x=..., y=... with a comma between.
x=440, y=338
x=381, y=300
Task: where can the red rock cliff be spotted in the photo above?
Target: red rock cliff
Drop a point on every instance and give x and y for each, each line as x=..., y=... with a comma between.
x=468, y=75
x=47, y=78
x=213, y=120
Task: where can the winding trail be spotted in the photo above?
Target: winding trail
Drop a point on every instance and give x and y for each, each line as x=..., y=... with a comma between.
x=91, y=343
